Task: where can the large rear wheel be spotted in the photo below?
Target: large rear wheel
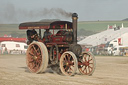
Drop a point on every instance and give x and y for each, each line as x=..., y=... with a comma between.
x=37, y=57
x=87, y=63
x=68, y=63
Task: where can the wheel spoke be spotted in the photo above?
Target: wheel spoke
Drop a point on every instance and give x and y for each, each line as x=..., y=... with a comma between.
x=66, y=68
x=34, y=65
x=65, y=59
x=64, y=63
x=31, y=53
x=71, y=68
x=71, y=63
x=84, y=69
x=82, y=66
x=39, y=58
x=31, y=61
x=85, y=58
x=38, y=54
x=88, y=57
x=90, y=63
x=69, y=58
x=90, y=60
x=35, y=49
x=38, y=50
x=90, y=67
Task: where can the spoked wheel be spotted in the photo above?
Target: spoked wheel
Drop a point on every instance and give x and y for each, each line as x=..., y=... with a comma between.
x=68, y=63
x=87, y=63
x=37, y=57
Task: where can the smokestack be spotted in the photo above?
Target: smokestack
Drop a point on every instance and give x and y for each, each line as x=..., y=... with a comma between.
x=74, y=21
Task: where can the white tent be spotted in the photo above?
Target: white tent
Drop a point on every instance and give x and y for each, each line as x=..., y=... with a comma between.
x=103, y=37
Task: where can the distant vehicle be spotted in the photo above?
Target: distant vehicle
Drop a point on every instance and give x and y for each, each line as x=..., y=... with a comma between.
x=113, y=48
x=121, y=50
x=12, y=47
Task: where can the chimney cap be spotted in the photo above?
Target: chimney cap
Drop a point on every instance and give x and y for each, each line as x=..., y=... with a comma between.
x=74, y=15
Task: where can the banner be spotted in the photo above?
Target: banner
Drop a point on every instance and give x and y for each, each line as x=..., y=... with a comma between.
x=119, y=41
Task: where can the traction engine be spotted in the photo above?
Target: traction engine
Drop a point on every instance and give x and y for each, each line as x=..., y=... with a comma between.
x=57, y=49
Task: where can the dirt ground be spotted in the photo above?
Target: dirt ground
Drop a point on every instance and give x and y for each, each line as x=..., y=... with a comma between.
x=109, y=71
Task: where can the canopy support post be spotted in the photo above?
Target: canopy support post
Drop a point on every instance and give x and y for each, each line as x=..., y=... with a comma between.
x=40, y=33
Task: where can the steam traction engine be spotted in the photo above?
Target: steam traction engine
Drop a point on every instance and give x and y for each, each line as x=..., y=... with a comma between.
x=58, y=50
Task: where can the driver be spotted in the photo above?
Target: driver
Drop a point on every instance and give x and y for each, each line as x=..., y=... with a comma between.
x=31, y=34
x=46, y=34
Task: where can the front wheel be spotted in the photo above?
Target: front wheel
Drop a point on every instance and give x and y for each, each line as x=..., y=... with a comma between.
x=68, y=63
x=86, y=63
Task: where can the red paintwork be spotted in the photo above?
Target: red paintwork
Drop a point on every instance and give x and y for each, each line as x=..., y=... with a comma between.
x=12, y=39
x=61, y=25
x=59, y=56
x=57, y=39
x=58, y=43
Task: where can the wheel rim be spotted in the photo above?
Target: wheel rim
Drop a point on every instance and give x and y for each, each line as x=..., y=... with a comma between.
x=34, y=58
x=86, y=65
x=68, y=63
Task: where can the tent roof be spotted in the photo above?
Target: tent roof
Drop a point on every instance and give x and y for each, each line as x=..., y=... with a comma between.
x=103, y=37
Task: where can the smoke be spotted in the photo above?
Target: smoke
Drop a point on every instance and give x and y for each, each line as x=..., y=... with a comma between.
x=50, y=13
x=7, y=13
x=10, y=14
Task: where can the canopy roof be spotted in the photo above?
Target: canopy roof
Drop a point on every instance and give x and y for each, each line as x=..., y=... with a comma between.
x=46, y=25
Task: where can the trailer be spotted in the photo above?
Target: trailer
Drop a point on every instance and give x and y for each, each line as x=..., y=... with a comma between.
x=12, y=47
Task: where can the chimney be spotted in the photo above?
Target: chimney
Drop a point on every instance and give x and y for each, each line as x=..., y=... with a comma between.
x=74, y=23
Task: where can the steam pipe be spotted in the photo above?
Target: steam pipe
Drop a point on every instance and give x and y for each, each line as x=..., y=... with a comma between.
x=74, y=25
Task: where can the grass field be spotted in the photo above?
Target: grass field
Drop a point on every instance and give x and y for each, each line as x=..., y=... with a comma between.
x=84, y=28
x=11, y=29
x=98, y=26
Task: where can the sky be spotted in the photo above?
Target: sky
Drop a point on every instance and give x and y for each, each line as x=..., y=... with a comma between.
x=18, y=11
